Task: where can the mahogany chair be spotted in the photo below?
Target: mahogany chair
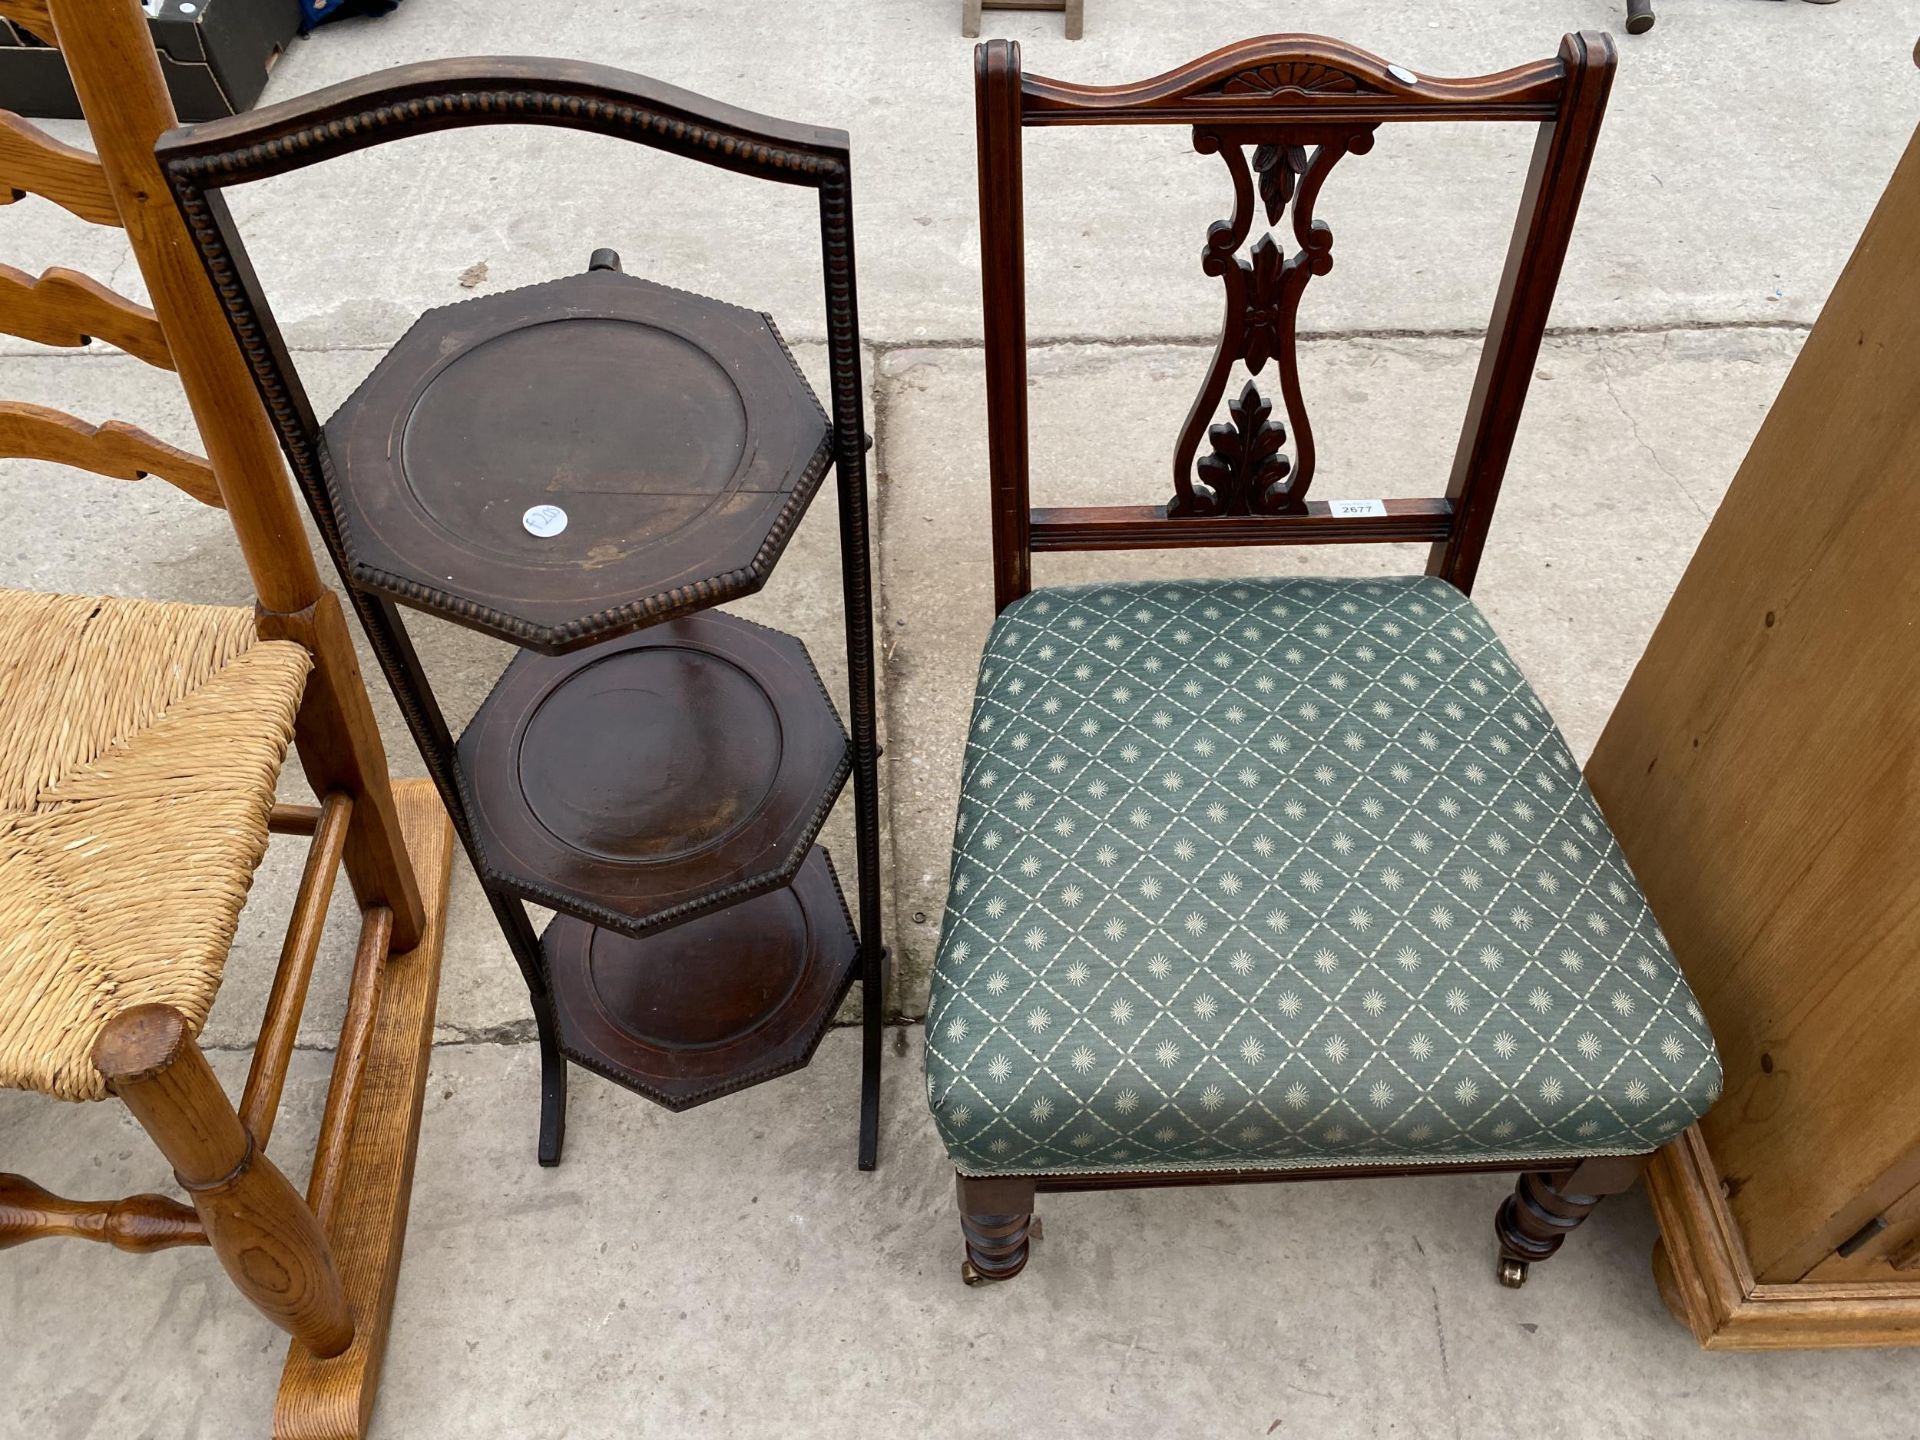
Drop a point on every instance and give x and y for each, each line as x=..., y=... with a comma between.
x=140, y=746
x=1280, y=879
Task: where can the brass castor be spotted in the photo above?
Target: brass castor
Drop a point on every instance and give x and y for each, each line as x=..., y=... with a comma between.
x=971, y=1276
x=1513, y=1273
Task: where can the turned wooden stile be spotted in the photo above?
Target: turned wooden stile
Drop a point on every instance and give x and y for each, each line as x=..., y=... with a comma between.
x=118, y=79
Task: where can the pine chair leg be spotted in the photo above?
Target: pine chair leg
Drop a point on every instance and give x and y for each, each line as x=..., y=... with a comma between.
x=1545, y=1208
x=996, y=1220
x=266, y=1237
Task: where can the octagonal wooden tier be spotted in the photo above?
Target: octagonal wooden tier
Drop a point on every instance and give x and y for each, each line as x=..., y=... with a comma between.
x=712, y=1006
x=649, y=779
x=673, y=435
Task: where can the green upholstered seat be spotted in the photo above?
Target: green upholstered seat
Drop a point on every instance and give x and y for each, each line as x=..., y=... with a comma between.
x=1288, y=873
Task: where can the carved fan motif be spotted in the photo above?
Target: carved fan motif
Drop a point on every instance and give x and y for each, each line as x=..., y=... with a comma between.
x=1304, y=77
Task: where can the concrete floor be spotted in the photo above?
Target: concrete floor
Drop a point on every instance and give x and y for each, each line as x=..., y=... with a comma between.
x=727, y=1272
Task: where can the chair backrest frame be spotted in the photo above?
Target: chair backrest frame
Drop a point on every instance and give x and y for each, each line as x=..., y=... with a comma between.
x=1279, y=94
x=109, y=53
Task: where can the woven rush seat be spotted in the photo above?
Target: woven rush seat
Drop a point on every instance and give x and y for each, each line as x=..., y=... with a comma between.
x=139, y=748
x=1267, y=874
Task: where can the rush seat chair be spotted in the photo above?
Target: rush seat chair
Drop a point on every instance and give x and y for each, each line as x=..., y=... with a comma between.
x=140, y=746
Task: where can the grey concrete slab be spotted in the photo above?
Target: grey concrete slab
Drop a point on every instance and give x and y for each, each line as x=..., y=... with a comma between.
x=1720, y=191
x=1690, y=209
x=1628, y=443
x=728, y=1272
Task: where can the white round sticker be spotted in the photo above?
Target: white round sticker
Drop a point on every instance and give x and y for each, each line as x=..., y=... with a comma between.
x=546, y=521
x=1403, y=75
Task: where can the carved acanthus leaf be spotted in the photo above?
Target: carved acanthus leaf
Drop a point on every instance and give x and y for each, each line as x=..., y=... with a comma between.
x=1279, y=168
x=1246, y=472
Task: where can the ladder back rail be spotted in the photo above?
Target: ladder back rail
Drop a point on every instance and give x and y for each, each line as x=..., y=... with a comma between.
x=65, y=307
x=32, y=162
x=115, y=449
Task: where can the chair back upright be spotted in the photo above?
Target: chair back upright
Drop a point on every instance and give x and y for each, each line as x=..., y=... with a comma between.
x=116, y=74
x=1281, y=111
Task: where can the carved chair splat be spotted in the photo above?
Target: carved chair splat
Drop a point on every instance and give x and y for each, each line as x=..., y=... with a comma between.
x=1282, y=111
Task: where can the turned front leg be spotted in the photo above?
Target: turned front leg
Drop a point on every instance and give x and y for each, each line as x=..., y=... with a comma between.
x=996, y=1221
x=266, y=1237
x=1545, y=1208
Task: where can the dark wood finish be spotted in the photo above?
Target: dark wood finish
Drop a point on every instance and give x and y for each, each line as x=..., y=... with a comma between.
x=138, y=1224
x=999, y=115
x=1640, y=16
x=713, y=1005
x=1556, y=176
x=1245, y=474
x=1281, y=110
x=1297, y=103
x=1149, y=527
x=267, y=1072
x=990, y=1205
x=201, y=161
x=367, y=1227
x=997, y=1224
x=645, y=781
x=267, y=1241
x=1296, y=76
x=1545, y=1208
x=674, y=432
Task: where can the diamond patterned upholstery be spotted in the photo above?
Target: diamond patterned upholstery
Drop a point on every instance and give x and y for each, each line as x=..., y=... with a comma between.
x=1283, y=873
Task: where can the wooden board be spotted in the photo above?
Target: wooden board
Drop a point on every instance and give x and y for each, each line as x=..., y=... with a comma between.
x=1762, y=771
x=1702, y=1269
x=333, y=1399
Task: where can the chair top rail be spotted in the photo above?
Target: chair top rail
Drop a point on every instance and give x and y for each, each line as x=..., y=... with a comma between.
x=115, y=449
x=435, y=95
x=1271, y=79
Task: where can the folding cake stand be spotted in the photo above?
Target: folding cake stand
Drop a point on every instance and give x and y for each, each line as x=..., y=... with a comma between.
x=584, y=468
